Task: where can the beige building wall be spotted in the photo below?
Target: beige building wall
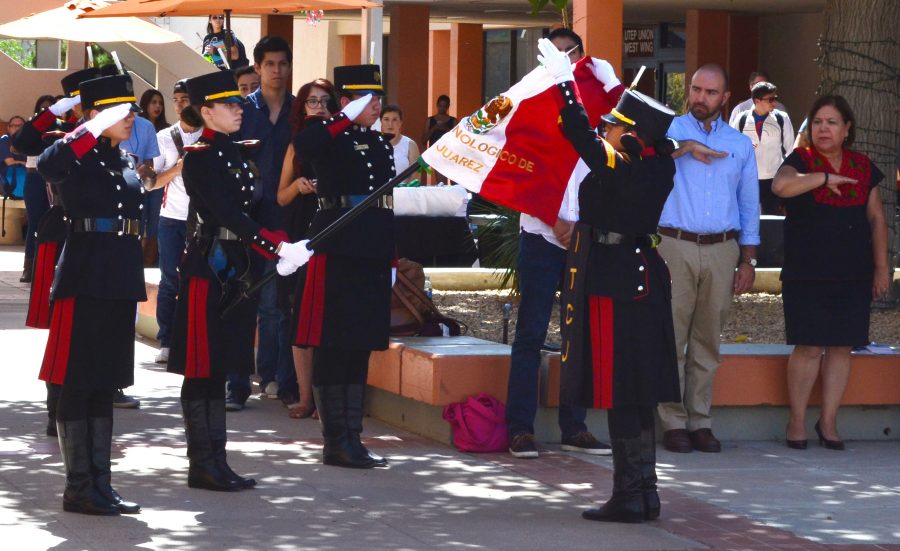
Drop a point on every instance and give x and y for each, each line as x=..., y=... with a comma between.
x=787, y=51
x=317, y=50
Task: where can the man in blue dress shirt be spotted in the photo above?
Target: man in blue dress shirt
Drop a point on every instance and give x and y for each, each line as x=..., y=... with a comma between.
x=710, y=231
x=266, y=118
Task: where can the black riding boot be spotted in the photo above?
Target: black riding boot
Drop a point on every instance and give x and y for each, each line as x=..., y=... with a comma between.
x=80, y=495
x=331, y=401
x=27, y=270
x=627, y=501
x=203, y=471
x=356, y=396
x=52, y=403
x=101, y=447
x=648, y=473
x=219, y=437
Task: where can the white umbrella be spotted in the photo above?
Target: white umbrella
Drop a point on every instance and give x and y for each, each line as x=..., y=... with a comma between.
x=62, y=23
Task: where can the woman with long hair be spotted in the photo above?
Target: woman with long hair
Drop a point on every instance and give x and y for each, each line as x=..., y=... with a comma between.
x=218, y=39
x=153, y=108
x=315, y=101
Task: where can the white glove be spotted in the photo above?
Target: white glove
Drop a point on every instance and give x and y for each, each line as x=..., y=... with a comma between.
x=357, y=106
x=393, y=276
x=556, y=62
x=285, y=267
x=107, y=118
x=604, y=72
x=295, y=253
x=64, y=105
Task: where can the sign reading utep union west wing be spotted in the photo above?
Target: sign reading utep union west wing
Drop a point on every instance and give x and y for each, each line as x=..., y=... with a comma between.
x=512, y=150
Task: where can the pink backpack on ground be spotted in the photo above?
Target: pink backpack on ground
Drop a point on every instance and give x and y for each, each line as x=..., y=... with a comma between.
x=479, y=424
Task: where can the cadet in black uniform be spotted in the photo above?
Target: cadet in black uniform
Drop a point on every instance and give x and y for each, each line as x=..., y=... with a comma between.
x=39, y=132
x=216, y=267
x=618, y=347
x=98, y=282
x=345, y=307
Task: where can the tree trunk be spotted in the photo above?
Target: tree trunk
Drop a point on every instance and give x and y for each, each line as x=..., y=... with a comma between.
x=860, y=60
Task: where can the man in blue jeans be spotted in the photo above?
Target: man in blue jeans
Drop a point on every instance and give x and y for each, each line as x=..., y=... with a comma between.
x=541, y=263
x=173, y=214
x=266, y=118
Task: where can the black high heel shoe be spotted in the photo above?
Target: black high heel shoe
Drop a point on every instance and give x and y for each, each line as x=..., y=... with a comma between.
x=795, y=444
x=828, y=444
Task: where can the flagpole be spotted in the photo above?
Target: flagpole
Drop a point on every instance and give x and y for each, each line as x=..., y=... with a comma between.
x=335, y=226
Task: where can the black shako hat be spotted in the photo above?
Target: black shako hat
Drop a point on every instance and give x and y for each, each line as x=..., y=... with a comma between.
x=218, y=87
x=71, y=83
x=101, y=93
x=650, y=118
x=180, y=87
x=358, y=79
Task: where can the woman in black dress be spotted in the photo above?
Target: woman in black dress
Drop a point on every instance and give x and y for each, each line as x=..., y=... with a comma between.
x=98, y=282
x=215, y=269
x=618, y=348
x=835, y=262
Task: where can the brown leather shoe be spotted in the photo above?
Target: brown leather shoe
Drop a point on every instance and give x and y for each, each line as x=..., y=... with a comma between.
x=677, y=441
x=704, y=441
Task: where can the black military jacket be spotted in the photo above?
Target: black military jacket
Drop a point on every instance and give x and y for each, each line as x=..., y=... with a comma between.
x=220, y=186
x=350, y=160
x=96, y=181
x=32, y=138
x=624, y=195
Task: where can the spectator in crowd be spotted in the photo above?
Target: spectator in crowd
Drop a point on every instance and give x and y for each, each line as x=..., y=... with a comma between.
x=755, y=78
x=772, y=135
x=315, y=101
x=267, y=118
x=406, y=151
x=12, y=177
x=541, y=262
x=173, y=214
x=710, y=232
x=153, y=108
x=219, y=40
x=247, y=80
x=13, y=169
x=437, y=125
x=835, y=262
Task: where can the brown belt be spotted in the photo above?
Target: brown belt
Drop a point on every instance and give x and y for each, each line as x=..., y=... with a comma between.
x=699, y=238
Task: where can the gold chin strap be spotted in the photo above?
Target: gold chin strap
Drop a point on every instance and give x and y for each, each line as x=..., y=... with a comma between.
x=122, y=99
x=220, y=95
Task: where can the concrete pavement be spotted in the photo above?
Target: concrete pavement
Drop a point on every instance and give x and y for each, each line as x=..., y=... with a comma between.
x=755, y=495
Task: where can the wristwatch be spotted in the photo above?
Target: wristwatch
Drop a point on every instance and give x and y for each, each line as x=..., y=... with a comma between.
x=750, y=261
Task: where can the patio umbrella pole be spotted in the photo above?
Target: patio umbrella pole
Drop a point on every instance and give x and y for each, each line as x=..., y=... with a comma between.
x=228, y=42
x=345, y=219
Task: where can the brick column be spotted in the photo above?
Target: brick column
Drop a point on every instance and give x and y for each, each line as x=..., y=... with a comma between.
x=467, y=68
x=351, y=49
x=732, y=41
x=408, y=65
x=599, y=24
x=439, y=67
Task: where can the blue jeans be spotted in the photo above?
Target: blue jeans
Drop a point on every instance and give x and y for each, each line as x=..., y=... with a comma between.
x=171, y=239
x=274, y=359
x=152, y=205
x=541, y=265
x=36, y=205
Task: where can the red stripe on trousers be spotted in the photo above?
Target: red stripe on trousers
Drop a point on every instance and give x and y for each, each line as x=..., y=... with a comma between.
x=39, y=302
x=312, y=307
x=197, y=361
x=602, y=350
x=59, y=341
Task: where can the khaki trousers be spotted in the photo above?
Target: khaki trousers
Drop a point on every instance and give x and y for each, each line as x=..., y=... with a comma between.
x=702, y=290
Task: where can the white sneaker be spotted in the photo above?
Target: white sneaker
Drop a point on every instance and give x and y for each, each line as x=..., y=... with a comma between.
x=271, y=390
x=163, y=356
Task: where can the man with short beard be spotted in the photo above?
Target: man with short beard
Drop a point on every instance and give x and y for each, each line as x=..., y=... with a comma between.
x=710, y=231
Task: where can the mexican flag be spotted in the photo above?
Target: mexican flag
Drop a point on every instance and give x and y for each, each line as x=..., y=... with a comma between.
x=513, y=152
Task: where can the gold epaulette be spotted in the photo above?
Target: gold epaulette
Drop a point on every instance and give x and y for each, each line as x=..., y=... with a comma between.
x=248, y=144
